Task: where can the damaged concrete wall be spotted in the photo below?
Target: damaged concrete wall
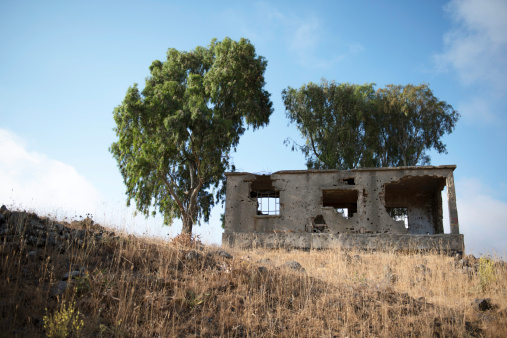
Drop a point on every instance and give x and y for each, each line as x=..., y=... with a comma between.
x=336, y=202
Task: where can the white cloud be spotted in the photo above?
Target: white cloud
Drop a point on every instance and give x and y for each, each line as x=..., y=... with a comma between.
x=478, y=110
x=476, y=46
x=302, y=36
x=34, y=181
x=482, y=217
x=306, y=36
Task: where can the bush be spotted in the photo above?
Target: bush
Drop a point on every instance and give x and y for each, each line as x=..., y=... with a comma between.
x=64, y=322
x=486, y=273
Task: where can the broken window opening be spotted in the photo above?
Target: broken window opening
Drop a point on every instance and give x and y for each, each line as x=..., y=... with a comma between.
x=344, y=201
x=268, y=203
x=399, y=214
x=349, y=181
x=268, y=199
x=319, y=224
x=420, y=194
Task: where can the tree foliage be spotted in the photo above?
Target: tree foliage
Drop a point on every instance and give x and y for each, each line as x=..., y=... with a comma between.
x=331, y=117
x=410, y=121
x=348, y=126
x=175, y=136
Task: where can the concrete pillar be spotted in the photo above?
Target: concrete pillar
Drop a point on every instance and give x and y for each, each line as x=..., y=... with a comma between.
x=451, y=200
x=437, y=212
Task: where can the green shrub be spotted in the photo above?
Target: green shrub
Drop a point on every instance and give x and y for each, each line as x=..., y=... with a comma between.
x=64, y=322
x=486, y=273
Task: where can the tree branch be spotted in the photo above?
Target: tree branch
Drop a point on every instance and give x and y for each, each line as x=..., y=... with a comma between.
x=315, y=151
x=173, y=194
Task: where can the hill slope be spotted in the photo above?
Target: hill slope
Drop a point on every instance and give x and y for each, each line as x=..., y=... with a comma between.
x=87, y=280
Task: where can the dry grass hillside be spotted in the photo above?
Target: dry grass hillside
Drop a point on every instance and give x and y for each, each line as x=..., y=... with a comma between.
x=80, y=279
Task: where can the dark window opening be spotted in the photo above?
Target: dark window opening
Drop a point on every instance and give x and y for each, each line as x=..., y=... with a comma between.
x=343, y=200
x=319, y=220
x=319, y=224
x=349, y=181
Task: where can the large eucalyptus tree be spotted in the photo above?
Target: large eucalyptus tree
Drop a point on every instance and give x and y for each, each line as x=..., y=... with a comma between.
x=346, y=126
x=175, y=136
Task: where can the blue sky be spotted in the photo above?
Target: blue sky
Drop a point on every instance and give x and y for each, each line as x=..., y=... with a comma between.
x=65, y=65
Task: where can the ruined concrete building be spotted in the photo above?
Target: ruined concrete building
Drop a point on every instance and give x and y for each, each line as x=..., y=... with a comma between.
x=369, y=208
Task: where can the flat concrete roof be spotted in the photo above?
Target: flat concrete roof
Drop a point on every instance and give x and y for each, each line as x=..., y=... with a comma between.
x=426, y=167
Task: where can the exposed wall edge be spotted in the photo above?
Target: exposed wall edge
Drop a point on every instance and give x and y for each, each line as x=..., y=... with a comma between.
x=431, y=167
x=441, y=243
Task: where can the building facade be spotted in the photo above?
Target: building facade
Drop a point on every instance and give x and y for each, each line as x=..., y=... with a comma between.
x=372, y=208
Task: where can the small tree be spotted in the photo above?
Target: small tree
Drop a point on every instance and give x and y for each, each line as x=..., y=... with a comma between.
x=175, y=137
x=347, y=126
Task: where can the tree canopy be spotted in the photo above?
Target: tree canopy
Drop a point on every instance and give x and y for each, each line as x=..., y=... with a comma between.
x=175, y=136
x=347, y=126
x=410, y=121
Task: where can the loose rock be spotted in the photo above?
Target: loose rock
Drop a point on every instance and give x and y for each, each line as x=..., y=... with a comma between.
x=389, y=277
x=59, y=288
x=293, y=265
x=224, y=254
x=192, y=255
x=262, y=269
x=79, y=234
x=422, y=269
x=482, y=304
x=72, y=275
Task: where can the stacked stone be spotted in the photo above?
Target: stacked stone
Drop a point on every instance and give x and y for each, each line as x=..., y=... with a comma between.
x=25, y=232
x=23, y=228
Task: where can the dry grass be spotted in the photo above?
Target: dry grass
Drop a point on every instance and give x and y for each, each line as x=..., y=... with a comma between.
x=137, y=287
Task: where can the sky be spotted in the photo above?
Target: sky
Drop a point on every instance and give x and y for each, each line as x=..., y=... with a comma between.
x=65, y=65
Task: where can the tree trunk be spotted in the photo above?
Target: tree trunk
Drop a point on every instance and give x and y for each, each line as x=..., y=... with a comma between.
x=187, y=225
x=191, y=213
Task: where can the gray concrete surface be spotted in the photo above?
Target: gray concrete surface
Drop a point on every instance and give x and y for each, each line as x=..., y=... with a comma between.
x=364, y=208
